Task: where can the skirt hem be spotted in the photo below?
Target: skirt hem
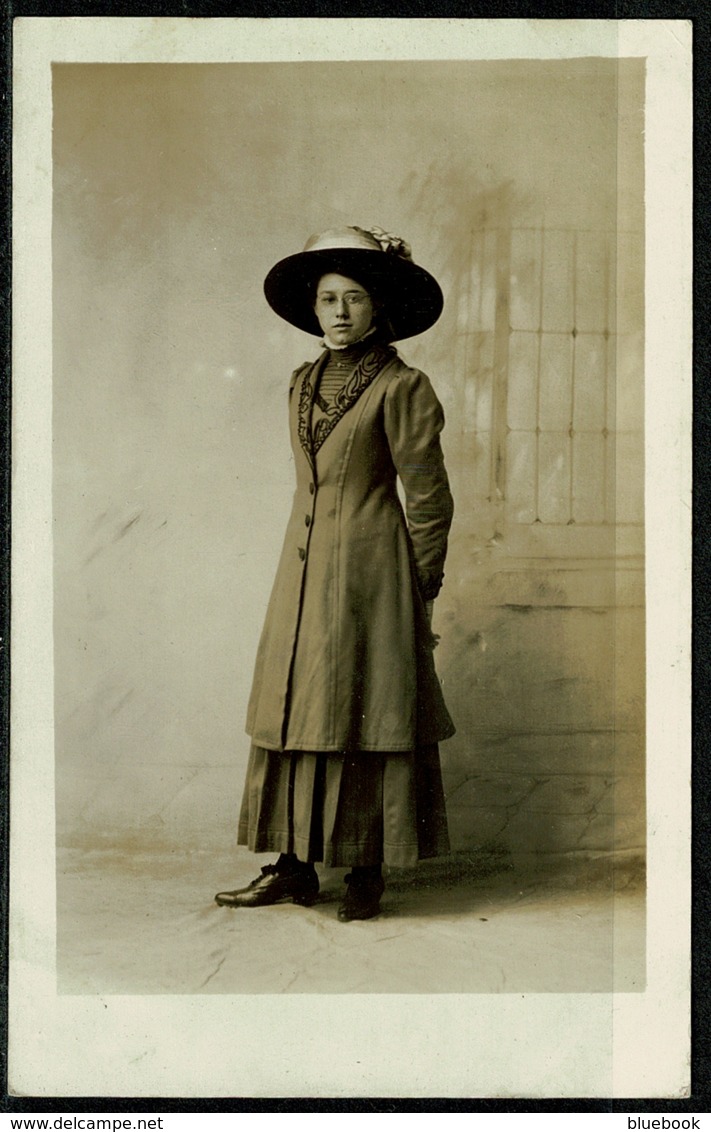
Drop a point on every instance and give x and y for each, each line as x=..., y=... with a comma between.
x=343, y=810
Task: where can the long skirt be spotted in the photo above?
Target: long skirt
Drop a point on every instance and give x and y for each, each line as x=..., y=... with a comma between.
x=345, y=809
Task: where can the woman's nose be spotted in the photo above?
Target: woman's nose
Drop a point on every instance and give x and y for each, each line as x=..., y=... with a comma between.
x=341, y=308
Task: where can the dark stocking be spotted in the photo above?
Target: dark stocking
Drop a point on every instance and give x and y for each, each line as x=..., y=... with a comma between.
x=290, y=863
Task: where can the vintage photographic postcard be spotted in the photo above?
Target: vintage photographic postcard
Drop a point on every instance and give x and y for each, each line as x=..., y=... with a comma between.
x=537, y=174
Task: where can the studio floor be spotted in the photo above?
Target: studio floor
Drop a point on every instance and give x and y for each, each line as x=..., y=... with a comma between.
x=140, y=923
x=146, y=924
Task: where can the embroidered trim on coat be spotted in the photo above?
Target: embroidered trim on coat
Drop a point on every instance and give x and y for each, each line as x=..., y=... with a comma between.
x=304, y=413
x=365, y=371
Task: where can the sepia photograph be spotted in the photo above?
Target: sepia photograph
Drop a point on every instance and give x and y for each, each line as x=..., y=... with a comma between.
x=348, y=590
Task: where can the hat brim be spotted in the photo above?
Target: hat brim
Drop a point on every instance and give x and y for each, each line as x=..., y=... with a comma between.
x=412, y=297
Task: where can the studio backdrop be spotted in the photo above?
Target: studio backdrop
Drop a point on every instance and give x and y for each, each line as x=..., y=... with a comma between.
x=519, y=185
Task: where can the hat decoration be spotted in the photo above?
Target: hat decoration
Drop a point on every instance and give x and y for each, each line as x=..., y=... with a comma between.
x=390, y=243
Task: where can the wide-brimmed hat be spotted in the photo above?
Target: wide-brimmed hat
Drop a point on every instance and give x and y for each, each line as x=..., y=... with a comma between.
x=380, y=262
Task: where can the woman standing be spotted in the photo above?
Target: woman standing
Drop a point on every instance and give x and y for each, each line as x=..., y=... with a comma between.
x=346, y=710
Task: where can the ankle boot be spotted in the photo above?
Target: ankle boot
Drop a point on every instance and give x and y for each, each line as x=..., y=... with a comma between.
x=362, y=899
x=288, y=879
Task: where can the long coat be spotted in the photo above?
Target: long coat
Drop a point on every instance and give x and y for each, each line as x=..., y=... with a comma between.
x=345, y=658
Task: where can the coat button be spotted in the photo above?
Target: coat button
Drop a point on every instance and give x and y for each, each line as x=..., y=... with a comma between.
x=307, y=520
x=302, y=553
x=311, y=489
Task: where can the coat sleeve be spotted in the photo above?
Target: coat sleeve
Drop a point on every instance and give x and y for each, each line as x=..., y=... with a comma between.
x=413, y=422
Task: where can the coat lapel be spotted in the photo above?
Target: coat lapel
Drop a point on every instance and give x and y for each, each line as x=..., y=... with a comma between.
x=306, y=400
x=364, y=373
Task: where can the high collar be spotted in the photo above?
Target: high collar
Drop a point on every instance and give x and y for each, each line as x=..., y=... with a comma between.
x=354, y=349
x=348, y=356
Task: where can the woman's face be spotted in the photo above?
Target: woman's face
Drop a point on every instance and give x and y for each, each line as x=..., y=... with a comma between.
x=343, y=308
